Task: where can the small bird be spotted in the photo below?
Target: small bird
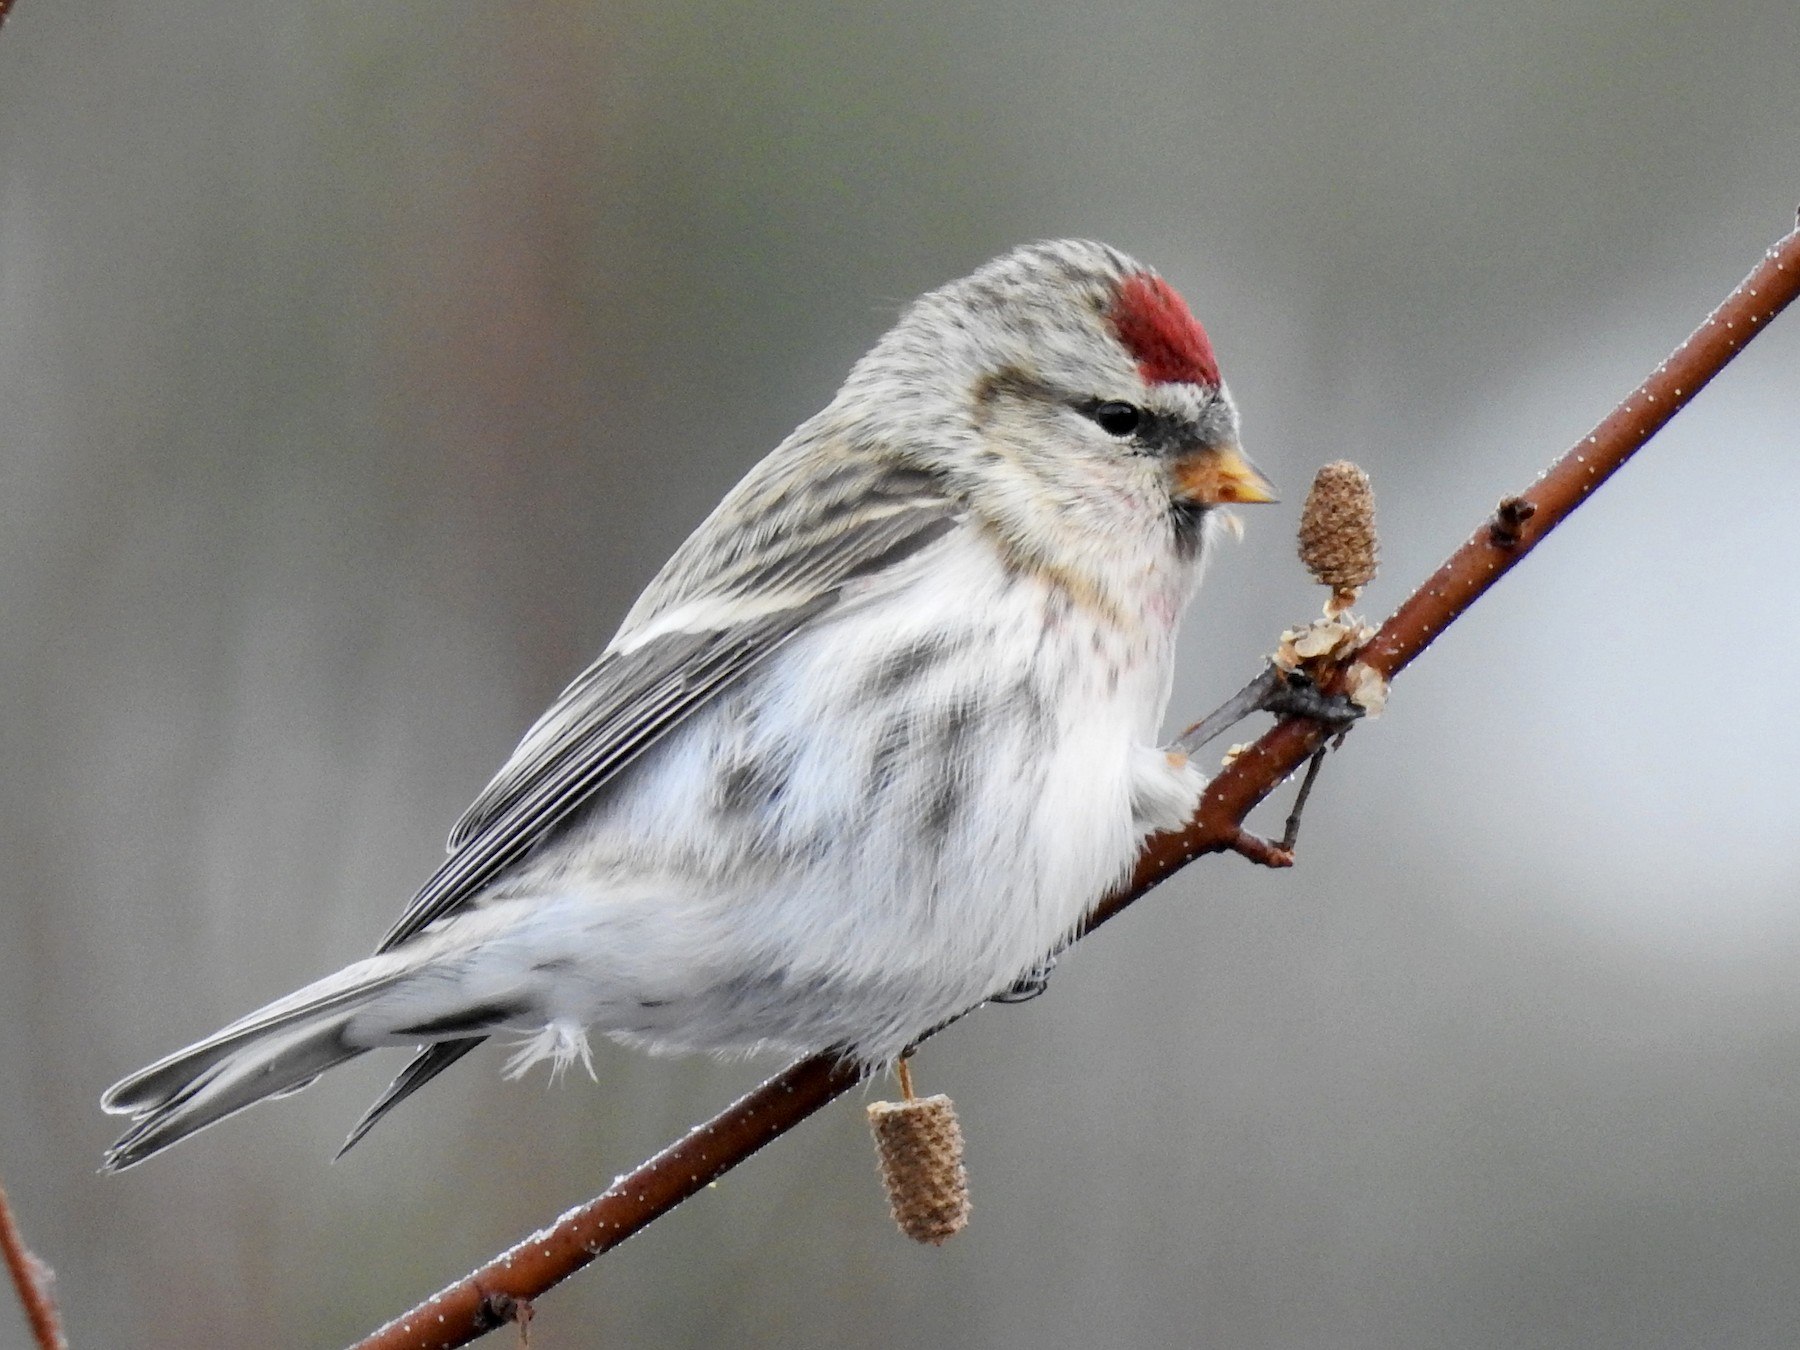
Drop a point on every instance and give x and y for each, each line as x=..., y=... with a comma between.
x=862, y=755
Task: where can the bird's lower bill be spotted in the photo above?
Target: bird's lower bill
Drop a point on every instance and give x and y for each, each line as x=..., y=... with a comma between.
x=1219, y=475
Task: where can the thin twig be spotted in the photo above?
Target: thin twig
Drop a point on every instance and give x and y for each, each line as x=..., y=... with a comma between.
x=1290, y=834
x=467, y=1308
x=30, y=1276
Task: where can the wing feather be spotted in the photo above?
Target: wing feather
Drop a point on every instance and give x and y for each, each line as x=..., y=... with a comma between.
x=696, y=632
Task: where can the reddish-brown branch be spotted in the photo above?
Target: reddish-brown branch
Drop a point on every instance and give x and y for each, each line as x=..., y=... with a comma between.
x=481, y=1301
x=484, y=1300
x=30, y=1276
x=1520, y=522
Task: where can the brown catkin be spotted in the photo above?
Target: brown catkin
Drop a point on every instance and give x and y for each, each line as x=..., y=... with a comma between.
x=920, y=1148
x=1337, y=530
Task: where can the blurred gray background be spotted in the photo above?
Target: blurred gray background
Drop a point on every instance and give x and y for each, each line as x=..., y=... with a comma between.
x=358, y=363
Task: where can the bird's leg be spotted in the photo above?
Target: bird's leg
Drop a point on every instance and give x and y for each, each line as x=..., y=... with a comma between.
x=1286, y=693
x=1249, y=699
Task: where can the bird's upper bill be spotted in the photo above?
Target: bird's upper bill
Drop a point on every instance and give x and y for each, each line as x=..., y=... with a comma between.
x=1220, y=475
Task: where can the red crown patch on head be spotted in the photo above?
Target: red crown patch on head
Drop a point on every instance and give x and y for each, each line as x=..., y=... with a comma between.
x=1159, y=330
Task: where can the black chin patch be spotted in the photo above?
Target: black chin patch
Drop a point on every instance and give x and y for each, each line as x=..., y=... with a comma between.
x=1188, y=522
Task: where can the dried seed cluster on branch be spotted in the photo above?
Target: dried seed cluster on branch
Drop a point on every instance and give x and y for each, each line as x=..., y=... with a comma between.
x=1337, y=533
x=920, y=1147
x=1323, y=646
x=1339, y=546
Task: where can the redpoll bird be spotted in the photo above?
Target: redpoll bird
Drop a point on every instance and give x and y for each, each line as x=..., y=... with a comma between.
x=866, y=750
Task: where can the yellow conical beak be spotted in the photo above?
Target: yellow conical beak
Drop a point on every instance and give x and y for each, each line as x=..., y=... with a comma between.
x=1220, y=474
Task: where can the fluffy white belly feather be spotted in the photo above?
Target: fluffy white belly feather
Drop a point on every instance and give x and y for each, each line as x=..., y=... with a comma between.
x=904, y=812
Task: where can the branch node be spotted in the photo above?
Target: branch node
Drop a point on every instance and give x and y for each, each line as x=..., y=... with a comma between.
x=1509, y=517
x=1263, y=852
x=499, y=1307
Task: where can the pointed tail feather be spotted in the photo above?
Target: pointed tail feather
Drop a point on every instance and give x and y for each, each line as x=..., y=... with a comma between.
x=431, y=992
x=425, y=1066
x=274, y=1062
x=153, y=1086
x=275, y=1050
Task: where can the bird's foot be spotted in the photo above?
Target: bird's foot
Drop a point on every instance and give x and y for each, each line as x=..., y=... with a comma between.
x=1029, y=985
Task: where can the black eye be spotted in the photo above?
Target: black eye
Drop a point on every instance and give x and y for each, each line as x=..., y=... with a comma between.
x=1118, y=419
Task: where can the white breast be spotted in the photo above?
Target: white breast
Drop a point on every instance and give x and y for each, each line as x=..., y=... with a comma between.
x=901, y=812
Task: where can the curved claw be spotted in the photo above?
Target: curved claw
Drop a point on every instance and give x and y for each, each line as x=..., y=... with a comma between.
x=1029, y=985
x=1296, y=695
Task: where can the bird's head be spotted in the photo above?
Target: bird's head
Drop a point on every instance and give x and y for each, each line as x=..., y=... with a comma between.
x=1068, y=393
